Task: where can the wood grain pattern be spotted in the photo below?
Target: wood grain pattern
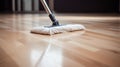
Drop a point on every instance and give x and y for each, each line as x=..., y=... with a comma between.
x=97, y=46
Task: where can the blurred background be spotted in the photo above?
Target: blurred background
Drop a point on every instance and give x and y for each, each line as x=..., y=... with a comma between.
x=60, y=6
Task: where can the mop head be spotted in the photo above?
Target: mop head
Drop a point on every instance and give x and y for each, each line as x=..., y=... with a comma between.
x=57, y=29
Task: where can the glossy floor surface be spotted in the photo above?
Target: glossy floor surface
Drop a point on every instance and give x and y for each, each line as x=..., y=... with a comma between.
x=97, y=46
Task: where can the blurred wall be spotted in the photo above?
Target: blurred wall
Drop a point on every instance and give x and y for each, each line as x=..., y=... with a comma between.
x=5, y=5
x=119, y=6
x=30, y=5
x=74, y=6
x=27, y=5
x=89, y=6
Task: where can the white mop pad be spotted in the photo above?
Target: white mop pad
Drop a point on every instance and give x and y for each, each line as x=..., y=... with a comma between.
x=58, y=29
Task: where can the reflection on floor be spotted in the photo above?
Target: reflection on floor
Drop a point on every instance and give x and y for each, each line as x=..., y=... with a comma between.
x=97, y=46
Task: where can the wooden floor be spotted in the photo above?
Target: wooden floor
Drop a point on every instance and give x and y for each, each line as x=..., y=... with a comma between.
x=97, y=46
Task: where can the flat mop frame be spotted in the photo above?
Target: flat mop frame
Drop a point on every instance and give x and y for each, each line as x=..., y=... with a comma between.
x=55, y=27
x=51, y=15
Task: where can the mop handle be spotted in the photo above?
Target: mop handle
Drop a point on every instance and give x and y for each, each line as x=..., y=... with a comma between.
x=46, y=6
x=51, y=15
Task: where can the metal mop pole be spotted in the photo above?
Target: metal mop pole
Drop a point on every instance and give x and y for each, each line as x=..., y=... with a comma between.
x=51, y=15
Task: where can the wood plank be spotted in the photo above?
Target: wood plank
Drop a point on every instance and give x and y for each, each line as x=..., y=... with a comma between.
x=97, y=46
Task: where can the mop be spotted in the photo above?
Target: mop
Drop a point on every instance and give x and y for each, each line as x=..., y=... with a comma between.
x=55, y=28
